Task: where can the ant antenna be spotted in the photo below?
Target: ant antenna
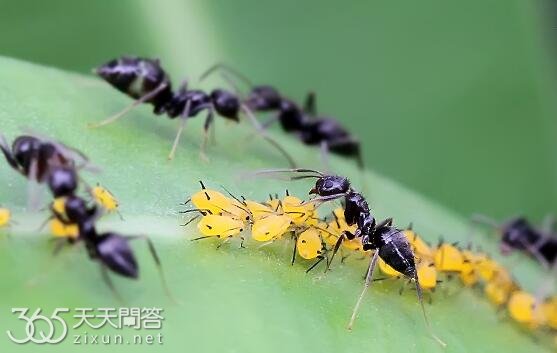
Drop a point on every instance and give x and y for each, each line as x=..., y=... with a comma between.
x=227, y=68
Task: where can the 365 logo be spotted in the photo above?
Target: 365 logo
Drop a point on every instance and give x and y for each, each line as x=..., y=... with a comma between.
x=54, y=334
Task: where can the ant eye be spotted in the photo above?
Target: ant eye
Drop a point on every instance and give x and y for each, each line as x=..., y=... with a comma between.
x=328, y=184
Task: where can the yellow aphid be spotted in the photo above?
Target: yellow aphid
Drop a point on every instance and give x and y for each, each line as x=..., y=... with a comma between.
x=309, y=244
x=420, y=247
x=258, y=210
x=549, y=309
x=274, y=204
x=59, y=206
x=388, y=270
x=270, y=228
x=500, y=288
x=522, y=308
x=5, y=216
x=487, y=267
x=427, y=275
x=313, y=218
x=211, y=201
x=220, y=226
x=292, y=206
x=448, y=258
x=104, y=198
x=337, y=226
x=469, y=275
x=62, y=230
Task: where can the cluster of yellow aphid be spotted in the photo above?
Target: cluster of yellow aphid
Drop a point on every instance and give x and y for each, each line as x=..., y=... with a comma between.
x=227, y=217
x=63, y=229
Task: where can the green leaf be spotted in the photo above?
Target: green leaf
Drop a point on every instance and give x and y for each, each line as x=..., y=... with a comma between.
x=233, y=300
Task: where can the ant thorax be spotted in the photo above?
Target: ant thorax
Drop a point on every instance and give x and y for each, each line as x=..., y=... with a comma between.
x=519, y=234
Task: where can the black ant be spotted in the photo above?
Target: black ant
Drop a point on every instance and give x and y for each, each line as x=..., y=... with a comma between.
x=519, y=234
x=310, y=128
x=110, y=249
x=147, y=82
x=34, y=157
x=387, y=241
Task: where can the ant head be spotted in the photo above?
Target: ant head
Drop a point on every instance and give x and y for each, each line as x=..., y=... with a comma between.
x=264, y=98
x=24, y=148
x=226, y=104
x=115, y=252
x=62, y=181
x=331, y=185
x=517, y=234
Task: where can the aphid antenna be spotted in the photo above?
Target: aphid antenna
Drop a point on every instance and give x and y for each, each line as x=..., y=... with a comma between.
x=189, y=221
x=226, y=68
x=201, y=238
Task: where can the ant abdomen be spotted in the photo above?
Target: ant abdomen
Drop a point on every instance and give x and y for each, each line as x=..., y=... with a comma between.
x=137, y=77
x=115, y=252
x=395, y=250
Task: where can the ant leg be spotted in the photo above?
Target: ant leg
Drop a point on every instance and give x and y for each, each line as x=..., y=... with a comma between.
x=8, y=153
x=109, y=283
x=309, y=104
x=139, y=101
x=367, y=284
x=226, y=68
x=388, y=222
x=206, y=125
x=325, y=156
x=257, y=125
x=157, y=260
x=183, y=117
x=548, y=224
x=33, y=188
x=428, y=326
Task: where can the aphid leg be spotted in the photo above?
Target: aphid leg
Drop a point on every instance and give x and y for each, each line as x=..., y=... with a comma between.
x=157, y=260
x=206, y=125
x=309, y=104
x=183, y=118
x=120, y=114
x=335, y=249
x=428, y=326
x=367, y=284
x=321, y=258
x=295, y=237
x=189, y=221
x=259, y=129
x=224, y=242
x=106, y=278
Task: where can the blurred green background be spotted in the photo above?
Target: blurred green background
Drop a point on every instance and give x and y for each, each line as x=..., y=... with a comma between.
x=453, y=98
